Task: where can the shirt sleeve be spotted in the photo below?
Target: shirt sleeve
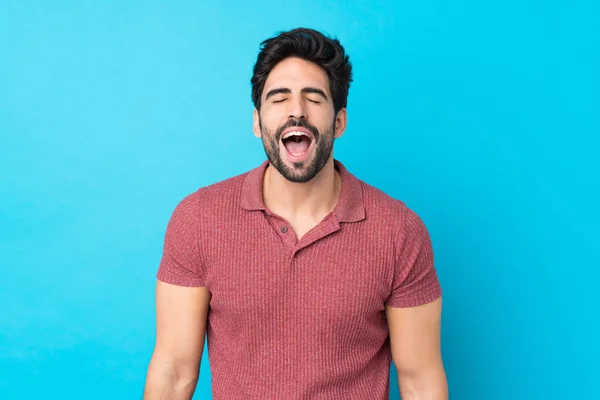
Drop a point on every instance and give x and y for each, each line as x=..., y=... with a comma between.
x=181, y=263
x=415, y=280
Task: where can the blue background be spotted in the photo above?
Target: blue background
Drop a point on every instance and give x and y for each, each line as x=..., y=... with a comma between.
x=481, y=116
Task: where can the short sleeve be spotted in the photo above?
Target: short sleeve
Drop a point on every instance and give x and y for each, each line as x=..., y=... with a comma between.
x=181, y=263
x=415, y=280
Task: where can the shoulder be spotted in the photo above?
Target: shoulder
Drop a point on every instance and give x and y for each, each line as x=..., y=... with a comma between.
x=392, y=212
x=379, y=204
x=218, y=197
x=223, y=192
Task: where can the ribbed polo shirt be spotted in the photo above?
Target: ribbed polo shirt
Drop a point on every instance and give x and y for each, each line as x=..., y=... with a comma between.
x=299, y=319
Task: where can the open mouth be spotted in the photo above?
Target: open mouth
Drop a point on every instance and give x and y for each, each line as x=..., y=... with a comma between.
x=296, y=143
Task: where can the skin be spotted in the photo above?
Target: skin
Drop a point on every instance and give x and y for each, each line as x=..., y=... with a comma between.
x=416, y=352
x=303, y=194
x=302, y=204
x=181, y=316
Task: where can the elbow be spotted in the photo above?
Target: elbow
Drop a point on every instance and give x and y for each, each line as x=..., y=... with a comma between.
x=168, y=380
x=425, y=384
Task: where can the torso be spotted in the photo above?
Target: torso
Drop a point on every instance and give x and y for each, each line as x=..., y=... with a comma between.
x=297, y=307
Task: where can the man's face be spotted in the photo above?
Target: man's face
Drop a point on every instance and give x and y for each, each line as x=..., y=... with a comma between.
x=296, y=121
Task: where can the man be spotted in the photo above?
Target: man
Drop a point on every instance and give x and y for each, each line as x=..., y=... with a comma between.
x=307, y=280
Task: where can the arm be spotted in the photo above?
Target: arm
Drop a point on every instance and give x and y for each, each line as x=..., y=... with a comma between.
x=182, y=301
x=181, y=314
x=416, y=351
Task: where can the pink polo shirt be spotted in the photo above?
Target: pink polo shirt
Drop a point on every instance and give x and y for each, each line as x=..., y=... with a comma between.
x=303, y=319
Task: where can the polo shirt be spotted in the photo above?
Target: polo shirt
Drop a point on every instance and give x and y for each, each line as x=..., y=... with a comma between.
x=299, y=319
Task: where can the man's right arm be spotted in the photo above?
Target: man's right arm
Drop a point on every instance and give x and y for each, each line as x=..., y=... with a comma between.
x=181, y=318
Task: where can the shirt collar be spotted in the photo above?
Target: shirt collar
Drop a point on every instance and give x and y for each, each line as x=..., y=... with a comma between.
x=350, y=206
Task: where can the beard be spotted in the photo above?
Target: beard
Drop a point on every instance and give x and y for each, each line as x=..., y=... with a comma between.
x=301, y=171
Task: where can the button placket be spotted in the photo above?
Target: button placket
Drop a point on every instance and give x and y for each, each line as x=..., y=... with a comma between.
x=287, y=234
x=282, y=227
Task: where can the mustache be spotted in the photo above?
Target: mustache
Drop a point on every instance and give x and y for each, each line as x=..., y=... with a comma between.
x=299, y=123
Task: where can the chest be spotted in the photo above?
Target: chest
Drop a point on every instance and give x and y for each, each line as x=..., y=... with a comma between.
x=341, y=281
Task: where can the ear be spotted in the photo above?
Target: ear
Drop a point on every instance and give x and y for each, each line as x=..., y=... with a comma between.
x=340, y=123
x=256, y=124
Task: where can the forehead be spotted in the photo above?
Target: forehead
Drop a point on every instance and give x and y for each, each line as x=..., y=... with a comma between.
x=295, y=73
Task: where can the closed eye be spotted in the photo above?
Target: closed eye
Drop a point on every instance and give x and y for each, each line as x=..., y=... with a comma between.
x=314, y=101
x=279, y=101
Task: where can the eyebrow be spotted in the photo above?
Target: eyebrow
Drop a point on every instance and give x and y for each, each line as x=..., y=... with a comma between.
x=305, y=90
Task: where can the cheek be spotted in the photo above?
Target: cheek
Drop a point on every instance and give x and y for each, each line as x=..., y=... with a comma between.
x=322, y=116
x=270, y=120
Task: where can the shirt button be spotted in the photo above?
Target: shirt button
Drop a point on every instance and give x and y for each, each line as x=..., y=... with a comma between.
x=284, y=229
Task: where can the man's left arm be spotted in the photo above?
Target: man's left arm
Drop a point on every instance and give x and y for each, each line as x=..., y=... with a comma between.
x=416, y=351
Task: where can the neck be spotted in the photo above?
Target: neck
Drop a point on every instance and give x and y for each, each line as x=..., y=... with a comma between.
x=313, y=199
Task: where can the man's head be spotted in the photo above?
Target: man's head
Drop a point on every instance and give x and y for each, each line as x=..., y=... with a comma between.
x=299, y=89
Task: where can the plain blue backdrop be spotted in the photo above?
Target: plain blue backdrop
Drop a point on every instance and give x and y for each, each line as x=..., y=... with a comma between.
x=481, y=116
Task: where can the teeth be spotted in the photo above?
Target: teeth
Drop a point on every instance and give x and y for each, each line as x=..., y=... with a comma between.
x=294, y=133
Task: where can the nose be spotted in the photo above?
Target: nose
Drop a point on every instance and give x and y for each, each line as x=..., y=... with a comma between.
x=297, y=109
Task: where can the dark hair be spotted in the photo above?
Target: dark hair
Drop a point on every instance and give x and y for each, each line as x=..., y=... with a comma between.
x=309, y=45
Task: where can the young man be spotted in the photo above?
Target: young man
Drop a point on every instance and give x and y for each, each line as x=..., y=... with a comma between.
x=308, y=281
